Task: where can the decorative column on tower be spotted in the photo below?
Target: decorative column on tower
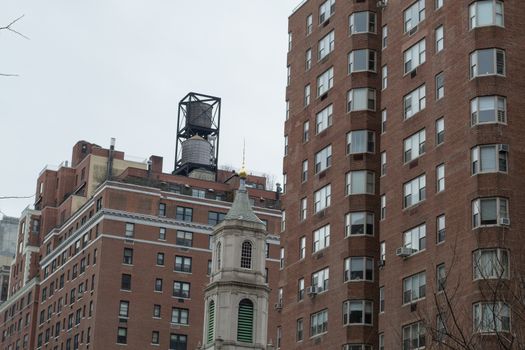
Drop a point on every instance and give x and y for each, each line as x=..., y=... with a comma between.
x=236, y=299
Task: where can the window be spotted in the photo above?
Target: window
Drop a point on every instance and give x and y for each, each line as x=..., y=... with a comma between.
x=382, y=252
x=306, y=131
x=362, y=22
x=283, y=220
x=414, y=191
x=289, y=41
x=361, y=99
x=184, y=238
x=361, y=61
x=179, y=316
x=383, y=207
x=490, y=211
x=489, y=159
x=323, y=119
x=299, y=330
x=441, y=277
x=491, y=264
x=285, y=145
x=384, y=37
x=383, y=163
x=488, y=109
x=415, y=56
x=326, y=10
x=302, y=247
x=287, y=116
x=414, y=336
x=281, y=258
x=215, y=218
x=246, y=255
x=304, y=209
x=414, y=288
x=162, y=234
x=326, y=45
x=156, y=311
x=285, y=181
x=183, y=264
x=360, y=182
x=382, y=341
x=304, y=171
x=440, y=224
x=384, y=77
x=439, y=4
x=487, y=62
x=211, y=322
x=160, y=259
x=309, y=24
x=414, y=146
x=319, y=323
x=155, y=337
x=358, y=269
x=381, y=299
x=383, y=121
x=122, y=335
x=322, y=198
x=300, y=289
x=359, y=223
x=279, y=337
x=130, y=228
x=440, y=86
x=308, y=59
x=357, y=312
x=158, y=285
x=162, y=209
x=323, y=159
x=414, y=102
x=414, y=15
x=321, y=238
x=320, y=280
x=440, y=131
x=128, y=256
x=440, y=38
x=440, y=178
x=178, y=342
x=491, y=317
x=125, y=283
x=184, y=214
x=245, y=321
x=123, y=308
x=360, y=141
x=307, y=92
x=441, y=328
x=181, y=289
x=415, y=238
x=288, y=75
x=325, y=81
x=486, y=13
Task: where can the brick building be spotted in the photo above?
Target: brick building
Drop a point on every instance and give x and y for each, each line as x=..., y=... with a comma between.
x=403, y=204
x=116, y=254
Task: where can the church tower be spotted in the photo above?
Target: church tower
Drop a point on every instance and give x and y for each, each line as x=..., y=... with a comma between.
x=236, y=300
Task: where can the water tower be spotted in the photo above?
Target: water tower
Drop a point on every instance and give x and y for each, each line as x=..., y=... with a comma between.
x=198, y=124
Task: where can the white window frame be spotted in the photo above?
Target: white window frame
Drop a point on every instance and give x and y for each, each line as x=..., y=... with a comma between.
x=414, y=191
x=474, y=14
x=499, y=155
x=499, y=105
x=309, y=24
x=384, y=37
x=304, y=172
x=384, y=77
x=416, y=238
x=371, y=23
x=474, y=69
x=321, y=280
x=363, y=142
x=414, y=56
x=321, y=238
x=323, y=159
x=413, y=15
x=440, y=131
x=319, y=323
x=323, y=119
x=440, y=86
x=365, y=307
x=308, y=59
x=439, y=4
x=359, y=219
x=288, y=75
x=489, y=317
x=307, y=94
x=414, y=288
x=441, y=229
x=327, y=7
x=496, y=266
x=326, y=45
x=322, y=198
x=325, y=81
x=306, y=131
x=383, y=163
x=370, y=58
x=384, y=116
x=354, y=94
x=440, y=178
x=302, y=247
x=416, y=333
x=304, y=209
x=502, y=211
x=383, y=207
x=439, y=34
x=366, y=177
x=366, y=271
x=417, y=99
x=414, y=146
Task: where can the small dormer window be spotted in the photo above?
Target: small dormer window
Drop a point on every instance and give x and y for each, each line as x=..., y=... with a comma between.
x=246, y=255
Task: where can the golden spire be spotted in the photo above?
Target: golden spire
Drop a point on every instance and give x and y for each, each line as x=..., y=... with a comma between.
x=243, y=173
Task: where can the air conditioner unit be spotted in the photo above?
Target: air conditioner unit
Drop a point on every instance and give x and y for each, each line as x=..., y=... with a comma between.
x=404, y=251
x=503, y=147
x=504, y=221
x=382, y=3
x=311, y=291
x=413, y=31
x=413, y=307
x=381, y=263
x=278, y=306
x=413, y=73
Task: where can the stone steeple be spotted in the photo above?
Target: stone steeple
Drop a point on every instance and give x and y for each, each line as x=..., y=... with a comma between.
x=236, y=299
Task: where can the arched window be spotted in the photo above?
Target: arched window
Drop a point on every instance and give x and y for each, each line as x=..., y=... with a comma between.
x=245, y=321
x=218, y=251
x=246, y=255
x=211, y=322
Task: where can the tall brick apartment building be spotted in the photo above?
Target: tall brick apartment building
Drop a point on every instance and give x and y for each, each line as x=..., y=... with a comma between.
x=403, y=210
x=119, y=258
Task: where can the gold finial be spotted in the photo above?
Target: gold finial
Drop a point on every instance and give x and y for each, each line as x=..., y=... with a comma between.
x=243, y=172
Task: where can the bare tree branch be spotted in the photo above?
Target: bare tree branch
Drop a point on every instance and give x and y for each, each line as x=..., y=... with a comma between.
x=9, y=27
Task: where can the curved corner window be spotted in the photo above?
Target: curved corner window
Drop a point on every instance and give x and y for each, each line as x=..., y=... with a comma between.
x=486, y=13
x=487, y=62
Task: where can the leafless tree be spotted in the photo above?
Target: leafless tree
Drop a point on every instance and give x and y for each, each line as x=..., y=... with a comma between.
x=10, y=28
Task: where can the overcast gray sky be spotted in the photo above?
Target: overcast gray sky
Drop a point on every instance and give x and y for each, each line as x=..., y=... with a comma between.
x=118, y=68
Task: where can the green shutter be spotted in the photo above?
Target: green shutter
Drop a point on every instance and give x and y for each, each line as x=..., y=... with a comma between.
x=245, y=322
x=211, y=321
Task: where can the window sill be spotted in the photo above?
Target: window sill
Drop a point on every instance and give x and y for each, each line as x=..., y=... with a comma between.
x=413, y=302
